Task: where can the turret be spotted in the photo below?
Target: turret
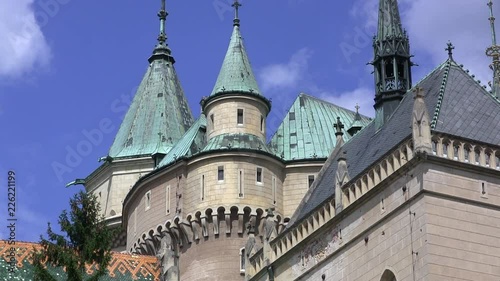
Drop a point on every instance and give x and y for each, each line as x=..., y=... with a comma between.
x=391, y=62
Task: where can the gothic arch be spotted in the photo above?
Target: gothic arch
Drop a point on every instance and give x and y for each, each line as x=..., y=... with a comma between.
x=388, y=275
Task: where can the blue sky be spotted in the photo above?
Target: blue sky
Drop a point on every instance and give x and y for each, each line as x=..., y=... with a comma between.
x=66, y=66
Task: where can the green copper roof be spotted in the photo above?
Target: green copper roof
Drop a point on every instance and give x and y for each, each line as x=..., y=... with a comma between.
x=307, y=130
x=191, y=143
x=158, y=116
x=236, y=74
x=389, y=21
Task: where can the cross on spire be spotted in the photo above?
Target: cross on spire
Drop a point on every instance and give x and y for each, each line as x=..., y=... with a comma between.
x=450, y=49
x=236, y=5
x=357, y=108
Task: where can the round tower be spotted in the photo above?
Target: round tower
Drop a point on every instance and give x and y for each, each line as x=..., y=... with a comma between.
x=194, y=208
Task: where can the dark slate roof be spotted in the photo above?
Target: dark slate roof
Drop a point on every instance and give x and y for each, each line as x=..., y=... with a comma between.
x=121, y=267
x=236, y=73
x=307, y=130
x=460, y=105
x=191, y=143
x=159, y=107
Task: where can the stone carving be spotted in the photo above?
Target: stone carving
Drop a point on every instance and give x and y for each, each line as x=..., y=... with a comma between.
x=422, y=141
x=317, y=250
x=341, y=178
x=167, y=256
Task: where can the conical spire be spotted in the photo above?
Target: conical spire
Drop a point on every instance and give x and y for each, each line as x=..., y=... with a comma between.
x=159, y=114
x=389, y=21
x=494, y=53
x=392, y=61
x=236, y=75
x=162, y=51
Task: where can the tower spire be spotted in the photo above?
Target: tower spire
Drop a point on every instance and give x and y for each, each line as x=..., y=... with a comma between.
x=392, y=61
x=236, y=6
x=162, y=50
x=494, y=53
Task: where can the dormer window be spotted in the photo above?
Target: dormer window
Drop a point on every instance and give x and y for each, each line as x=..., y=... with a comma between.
x=240, y=116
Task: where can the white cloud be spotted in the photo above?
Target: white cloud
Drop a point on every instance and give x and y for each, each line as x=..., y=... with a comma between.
x=286, y=75
x=24, y=47
x=465, y=23
x=432, y=23
x=362, y=96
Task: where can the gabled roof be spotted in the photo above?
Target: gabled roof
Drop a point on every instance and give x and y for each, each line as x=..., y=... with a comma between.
x=158, y=116
x=191, y=143
x=236, y=74
x=307, y=130
x=461, y=107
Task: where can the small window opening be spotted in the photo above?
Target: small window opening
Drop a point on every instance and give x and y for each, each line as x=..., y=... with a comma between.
x=212, y=121
x=274, y=190
x=262, y=123
x=240, y=116
x=148, y=200
x=310, y=180
x=167, y=200
x=242, y=260
x=259, y=175
x=240, y=184
x=202, y=187
x=220, y=173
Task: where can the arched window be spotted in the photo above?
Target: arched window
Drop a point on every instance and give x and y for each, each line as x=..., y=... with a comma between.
x=388, y=276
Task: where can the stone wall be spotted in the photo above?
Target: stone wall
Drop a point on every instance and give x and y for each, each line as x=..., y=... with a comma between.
x=225, y=117
x=296, y=185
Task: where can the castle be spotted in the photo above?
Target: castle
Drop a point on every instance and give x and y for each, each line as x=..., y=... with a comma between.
x=413, y=194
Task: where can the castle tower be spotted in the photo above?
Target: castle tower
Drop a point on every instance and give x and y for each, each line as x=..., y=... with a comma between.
x=220, y=177
x=236, y=105
x=391, y=62
x=157, y=118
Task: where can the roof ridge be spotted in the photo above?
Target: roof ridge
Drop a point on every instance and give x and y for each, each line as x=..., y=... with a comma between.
x=331, y=103
x=442, y=90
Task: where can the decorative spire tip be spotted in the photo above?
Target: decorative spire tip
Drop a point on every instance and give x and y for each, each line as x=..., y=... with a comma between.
x=162, y=14
x=236, y=5
x=450, y=49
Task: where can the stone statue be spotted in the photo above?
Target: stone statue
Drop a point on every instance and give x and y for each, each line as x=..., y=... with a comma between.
x=167, y=257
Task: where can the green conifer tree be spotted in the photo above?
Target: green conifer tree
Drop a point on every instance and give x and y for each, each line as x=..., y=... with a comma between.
x=86, y=241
